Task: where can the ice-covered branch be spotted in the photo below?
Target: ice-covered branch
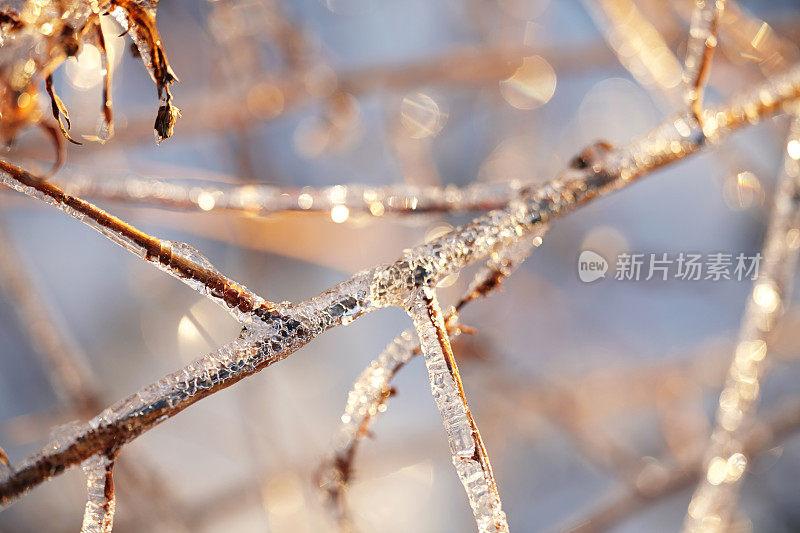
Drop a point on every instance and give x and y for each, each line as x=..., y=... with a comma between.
x=700, y=51
x=67, y=371
x=726, y=461
x=280, y=330
x=98, y=517
x=368, y=395
x=469, y=454
x=175, y=258
x=365, y=400
x=338, y=201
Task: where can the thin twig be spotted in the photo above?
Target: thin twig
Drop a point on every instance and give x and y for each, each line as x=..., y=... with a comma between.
x=270, y=98
x=265, y=200
x=67, y=368
x=639, y=46
x=700, y=51
x=177, y=259
x=68, y=372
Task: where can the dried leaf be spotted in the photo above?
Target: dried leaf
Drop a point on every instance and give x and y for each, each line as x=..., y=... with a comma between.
x=59, y=110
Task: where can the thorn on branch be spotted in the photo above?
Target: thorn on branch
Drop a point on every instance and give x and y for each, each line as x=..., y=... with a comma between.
x=593, y=158
x=591, y=155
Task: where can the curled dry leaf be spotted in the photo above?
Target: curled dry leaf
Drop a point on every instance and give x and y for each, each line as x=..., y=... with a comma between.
x=138, y=19
x=37, y=39
x=59, y=110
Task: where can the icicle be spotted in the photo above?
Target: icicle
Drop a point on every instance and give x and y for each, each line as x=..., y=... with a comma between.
x=99, y=514
x=105, y=129
x=726, y=462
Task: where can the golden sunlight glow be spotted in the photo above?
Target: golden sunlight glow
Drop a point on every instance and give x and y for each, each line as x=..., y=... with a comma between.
x=765, y=295
x=532, y=85
x=421, y=117
x=205, y=200
x=84, y=70
x=340, y=213
x=793, y=148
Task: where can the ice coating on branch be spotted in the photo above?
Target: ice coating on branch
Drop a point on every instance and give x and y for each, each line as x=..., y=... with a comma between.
x=200, y=274
x=173, y=249
x=190, y=253
x=62, y=435
x=372, y=388
x=368, y=395
x=260, y=199
x=725, y=463
x=177, y=259
x=262, y=343
x=468, y=455
x=365, y=400
x=98, y=517
x=500, y=265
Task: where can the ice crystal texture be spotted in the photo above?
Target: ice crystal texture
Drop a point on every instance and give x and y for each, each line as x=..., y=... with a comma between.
x=366, y=397
x=475, y=477
x=98, y=516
